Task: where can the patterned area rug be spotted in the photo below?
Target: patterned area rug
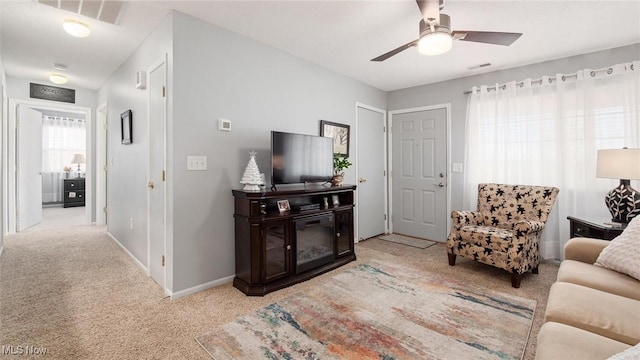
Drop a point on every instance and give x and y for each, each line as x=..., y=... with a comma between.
x=406, y=240
x=380, y=311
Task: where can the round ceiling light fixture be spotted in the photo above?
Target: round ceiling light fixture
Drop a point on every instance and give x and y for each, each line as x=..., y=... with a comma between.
x=58, y=79
x=435, y=43
x=76, y=28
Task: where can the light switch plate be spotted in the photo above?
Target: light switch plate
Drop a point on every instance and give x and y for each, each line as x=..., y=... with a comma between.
x=457, y=167
x=196, y=163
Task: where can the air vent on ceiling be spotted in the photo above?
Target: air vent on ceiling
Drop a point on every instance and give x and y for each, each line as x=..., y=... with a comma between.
x=479, y=66
x=103, y=10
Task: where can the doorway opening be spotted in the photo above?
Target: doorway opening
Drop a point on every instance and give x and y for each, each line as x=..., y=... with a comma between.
x=49, y=151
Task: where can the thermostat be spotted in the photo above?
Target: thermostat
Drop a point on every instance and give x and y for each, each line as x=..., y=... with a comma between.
x=224, y=125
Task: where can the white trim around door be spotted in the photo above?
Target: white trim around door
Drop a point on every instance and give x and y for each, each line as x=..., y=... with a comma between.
x=446, y=106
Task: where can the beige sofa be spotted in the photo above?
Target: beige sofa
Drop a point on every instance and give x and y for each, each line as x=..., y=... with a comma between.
x=592, y=312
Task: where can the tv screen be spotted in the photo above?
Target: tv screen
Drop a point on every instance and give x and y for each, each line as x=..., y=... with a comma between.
x=298, y=158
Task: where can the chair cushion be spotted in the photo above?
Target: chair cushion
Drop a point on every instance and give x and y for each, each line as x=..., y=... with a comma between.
x=596, y=311
x=560, y=342
x=623, y=253
x=599, y=278
x=488, y=237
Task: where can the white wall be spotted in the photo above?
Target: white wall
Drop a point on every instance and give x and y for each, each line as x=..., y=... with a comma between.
x=127, y=164
x=219, y=74
x=452, y=92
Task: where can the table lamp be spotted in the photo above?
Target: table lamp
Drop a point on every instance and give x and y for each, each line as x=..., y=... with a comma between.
x=624, y=164
x=78, y=159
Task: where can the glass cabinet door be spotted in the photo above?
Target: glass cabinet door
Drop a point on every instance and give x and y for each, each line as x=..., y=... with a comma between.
x=344, y=236
x=277, y=250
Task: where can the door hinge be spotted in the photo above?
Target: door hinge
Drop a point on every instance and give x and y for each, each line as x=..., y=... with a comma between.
x=164, y=175
x=384, y=172
x=104, y=168
x=385, y=217
x=164, y=91
x=162, y=260
x=384, y=129
x=104, y=209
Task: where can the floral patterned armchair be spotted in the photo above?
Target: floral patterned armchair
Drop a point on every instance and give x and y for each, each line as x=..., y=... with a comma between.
x=505, y=230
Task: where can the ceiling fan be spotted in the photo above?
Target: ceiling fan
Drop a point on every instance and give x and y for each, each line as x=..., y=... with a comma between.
x=436, y=36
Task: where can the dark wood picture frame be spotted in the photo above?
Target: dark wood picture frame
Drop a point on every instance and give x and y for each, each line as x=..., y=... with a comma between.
x=126, y=126
x=340, y=134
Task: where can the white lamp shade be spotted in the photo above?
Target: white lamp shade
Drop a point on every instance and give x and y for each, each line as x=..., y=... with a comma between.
x=78, y=159
x=621, y=164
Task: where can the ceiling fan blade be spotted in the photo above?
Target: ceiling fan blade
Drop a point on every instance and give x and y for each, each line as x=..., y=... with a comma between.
x=430, y=10
x=489, y=37
x=402, y=48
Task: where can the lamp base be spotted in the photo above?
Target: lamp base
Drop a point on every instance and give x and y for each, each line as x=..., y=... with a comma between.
x=623, y=202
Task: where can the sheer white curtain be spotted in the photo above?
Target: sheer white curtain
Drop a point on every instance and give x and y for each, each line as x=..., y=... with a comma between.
x=61, y=138
x=547, y=132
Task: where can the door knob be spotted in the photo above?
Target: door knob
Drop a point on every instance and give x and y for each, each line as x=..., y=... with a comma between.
x=361, y=180
x=441, y=184
x=150, y=185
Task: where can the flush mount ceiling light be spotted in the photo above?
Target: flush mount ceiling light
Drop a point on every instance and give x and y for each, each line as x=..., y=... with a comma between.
x=76, y=28
x=58, y=79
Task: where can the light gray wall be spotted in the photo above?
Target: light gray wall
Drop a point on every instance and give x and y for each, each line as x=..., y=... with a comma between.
x=452, y=92
x=3, y=139
x=127, y=164
x=219, y=74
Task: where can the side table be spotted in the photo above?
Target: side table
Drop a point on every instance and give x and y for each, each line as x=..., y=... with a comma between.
x=593, y=229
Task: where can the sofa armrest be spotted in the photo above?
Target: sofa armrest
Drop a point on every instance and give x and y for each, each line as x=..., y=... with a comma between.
x=585, y=250
x=464, y=218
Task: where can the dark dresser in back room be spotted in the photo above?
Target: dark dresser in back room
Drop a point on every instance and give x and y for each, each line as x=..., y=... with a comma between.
x=73, y=192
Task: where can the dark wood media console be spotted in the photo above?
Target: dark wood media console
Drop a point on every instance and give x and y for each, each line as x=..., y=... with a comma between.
x=277, y=249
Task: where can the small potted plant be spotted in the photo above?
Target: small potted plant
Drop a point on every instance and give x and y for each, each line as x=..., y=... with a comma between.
x=340, y=163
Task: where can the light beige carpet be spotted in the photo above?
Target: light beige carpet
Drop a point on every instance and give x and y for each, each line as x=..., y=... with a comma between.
x=76, y=293
x=407, y=240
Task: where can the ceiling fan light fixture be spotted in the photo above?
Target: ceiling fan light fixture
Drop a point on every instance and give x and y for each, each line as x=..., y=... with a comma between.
x=76, y=28
x=58, y=79
x=435, y=43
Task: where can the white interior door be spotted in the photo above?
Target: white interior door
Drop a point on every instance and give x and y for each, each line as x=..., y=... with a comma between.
x=419, y=173
x=156, y=185
x=29, y=167
x=372, y=213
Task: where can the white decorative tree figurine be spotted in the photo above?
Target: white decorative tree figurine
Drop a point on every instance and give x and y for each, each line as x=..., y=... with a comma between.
x=251, y=178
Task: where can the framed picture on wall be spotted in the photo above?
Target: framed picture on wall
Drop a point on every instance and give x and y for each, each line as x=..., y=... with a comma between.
x=126, y=125
x=340, y=135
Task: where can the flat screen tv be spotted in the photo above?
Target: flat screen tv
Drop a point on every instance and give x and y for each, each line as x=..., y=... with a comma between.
x=298, y=158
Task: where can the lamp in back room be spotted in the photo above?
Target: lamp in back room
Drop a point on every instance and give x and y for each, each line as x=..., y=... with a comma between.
x=78, y=159
x=624, y=164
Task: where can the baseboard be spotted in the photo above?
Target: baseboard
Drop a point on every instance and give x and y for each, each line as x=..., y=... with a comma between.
x=201, y=287
x=128, y=252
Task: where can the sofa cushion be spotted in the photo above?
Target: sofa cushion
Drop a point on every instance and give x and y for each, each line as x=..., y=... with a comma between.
x=560, y=342
x=623, y=253
x=599, y=278
x=629, y=354
x=596, y=311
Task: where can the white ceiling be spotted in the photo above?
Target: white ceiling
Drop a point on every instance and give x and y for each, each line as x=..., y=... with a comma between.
x=340, y=35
